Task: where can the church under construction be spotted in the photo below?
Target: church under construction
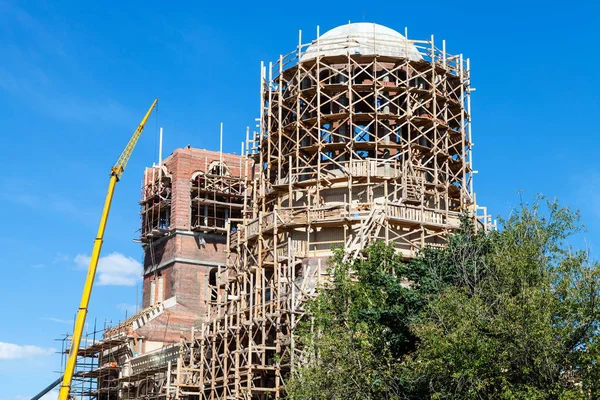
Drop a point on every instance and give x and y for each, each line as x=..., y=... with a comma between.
x=364, y=135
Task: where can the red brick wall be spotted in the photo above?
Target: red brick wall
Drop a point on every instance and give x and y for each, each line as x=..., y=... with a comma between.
x=186, y=246
x=161, y=252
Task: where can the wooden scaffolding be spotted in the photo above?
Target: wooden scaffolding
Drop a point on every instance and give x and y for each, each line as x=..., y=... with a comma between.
x=217, y=197
x=352, y=149
x=155, y=203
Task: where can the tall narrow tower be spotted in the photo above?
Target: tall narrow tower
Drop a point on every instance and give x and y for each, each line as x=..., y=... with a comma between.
x=186, y=204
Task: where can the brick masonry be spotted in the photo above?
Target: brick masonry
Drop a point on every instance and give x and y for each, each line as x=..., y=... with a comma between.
x=181, y=259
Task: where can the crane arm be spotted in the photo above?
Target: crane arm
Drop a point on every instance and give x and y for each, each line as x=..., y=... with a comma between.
x=116, y=173
x=121, y=163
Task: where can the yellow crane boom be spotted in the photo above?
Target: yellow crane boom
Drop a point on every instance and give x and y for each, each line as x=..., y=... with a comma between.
x=115, y=175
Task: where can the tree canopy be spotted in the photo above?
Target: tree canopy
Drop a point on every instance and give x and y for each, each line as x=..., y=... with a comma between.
x=507, y=314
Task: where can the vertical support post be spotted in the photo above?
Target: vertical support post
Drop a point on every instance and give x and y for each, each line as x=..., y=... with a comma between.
x=444, y=53
x=462, y=126
x=319, y=133
x=469, y=128
x=168, y=380
x=280, y=160
x=221, y=149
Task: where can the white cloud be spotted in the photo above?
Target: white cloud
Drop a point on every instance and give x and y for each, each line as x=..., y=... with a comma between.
x=10, y=351
x=114, y=269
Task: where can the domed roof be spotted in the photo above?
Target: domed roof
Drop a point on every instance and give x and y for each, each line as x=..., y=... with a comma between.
x=362, y=38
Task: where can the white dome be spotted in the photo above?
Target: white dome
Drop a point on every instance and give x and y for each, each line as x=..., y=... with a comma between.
x=362, y=38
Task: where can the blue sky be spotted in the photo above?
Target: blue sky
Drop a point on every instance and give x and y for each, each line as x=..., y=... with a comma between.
x=76, y=78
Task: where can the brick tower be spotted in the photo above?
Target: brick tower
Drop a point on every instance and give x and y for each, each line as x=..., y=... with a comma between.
x=186, y=205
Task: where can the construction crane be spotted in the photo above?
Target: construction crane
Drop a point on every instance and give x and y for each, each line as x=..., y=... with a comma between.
x=115, y=175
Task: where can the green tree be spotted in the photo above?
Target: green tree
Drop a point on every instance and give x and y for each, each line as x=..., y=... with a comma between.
x=523, y=324
x=510, y=314
x=358, y=328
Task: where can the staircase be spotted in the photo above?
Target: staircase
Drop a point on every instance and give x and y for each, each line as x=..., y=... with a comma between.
x=361, y=239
